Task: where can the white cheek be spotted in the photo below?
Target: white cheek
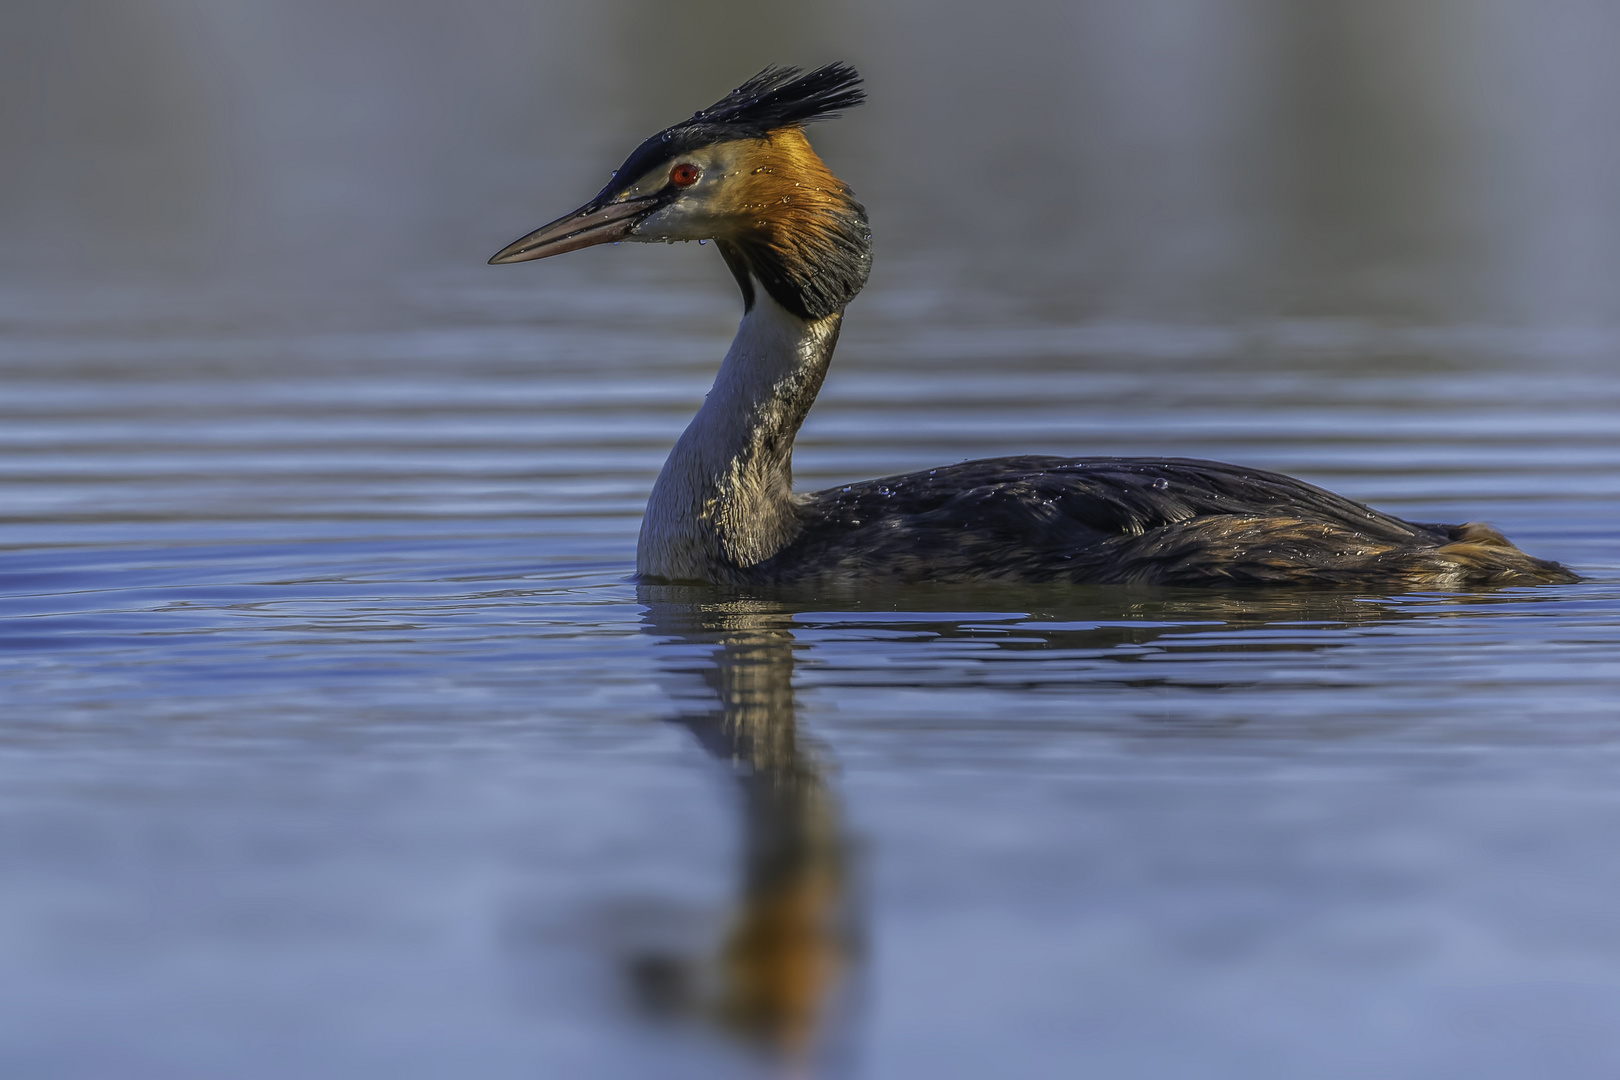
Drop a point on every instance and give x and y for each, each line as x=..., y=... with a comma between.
x=681, y=220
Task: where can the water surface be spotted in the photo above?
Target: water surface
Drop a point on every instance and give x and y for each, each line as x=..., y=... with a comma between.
x=338, y=740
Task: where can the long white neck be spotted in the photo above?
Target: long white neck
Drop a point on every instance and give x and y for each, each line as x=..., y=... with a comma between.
x=724, y=500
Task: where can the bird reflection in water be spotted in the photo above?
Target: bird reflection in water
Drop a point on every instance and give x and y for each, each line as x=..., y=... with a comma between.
x=790, y=947
x=791, y=943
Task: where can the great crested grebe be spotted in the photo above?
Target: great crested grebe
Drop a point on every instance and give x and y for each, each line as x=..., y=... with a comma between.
x=723, y=510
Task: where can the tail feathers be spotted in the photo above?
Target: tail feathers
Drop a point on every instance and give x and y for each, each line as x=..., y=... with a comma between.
x=1265, y=549
x=1486, y=557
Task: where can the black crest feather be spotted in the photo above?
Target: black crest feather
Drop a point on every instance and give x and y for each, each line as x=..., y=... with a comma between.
x=779, y=96
x=775, y=98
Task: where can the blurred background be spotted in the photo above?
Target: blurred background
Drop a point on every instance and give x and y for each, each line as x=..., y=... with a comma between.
x=1432, y=161
x=336, y=739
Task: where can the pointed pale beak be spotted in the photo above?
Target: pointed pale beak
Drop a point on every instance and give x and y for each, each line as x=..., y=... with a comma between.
x=594, y=223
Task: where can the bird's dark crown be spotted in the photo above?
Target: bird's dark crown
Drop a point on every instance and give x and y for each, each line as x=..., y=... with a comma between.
x=777, y=97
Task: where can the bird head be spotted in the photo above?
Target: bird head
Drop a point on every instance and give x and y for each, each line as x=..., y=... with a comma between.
x=740, y=173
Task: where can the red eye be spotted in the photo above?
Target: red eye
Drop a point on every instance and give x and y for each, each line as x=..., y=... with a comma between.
x=684, y=175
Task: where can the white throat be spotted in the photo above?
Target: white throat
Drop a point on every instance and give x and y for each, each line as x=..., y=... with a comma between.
x=724, y=500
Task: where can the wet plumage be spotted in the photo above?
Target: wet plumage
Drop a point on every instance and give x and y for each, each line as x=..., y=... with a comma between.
x=1129, y=520
x=723, y=509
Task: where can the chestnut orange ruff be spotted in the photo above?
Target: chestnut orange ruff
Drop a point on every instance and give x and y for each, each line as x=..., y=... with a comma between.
x=723, y=508
x=798, y=229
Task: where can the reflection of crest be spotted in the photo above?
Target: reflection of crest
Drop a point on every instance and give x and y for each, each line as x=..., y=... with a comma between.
x=790, y=941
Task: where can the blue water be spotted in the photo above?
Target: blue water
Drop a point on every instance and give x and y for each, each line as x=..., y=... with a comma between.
x=338, y=740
